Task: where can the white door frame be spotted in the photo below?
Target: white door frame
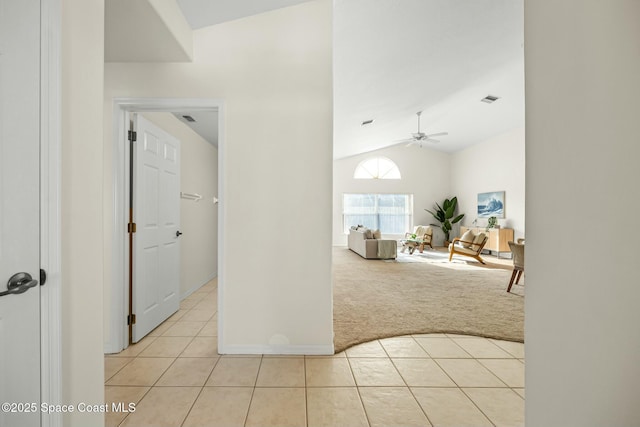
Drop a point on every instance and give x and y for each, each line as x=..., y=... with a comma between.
x=122, y=107
x=50, y=203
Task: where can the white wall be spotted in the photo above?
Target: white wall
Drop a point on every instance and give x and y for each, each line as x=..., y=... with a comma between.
x=198, y=220
x=497, y=164
x=425, y=174
x=273, y=72
x=581, y=327
x=82, y=42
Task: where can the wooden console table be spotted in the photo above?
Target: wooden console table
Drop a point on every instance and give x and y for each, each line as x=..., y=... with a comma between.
x=498, y=237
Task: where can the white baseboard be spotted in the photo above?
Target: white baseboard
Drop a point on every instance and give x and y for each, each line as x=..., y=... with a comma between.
x=110, y=348
x=196, y=287
x=317, y=350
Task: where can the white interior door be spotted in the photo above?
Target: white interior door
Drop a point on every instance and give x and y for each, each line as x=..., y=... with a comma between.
x=20, y=211
x=156, y=212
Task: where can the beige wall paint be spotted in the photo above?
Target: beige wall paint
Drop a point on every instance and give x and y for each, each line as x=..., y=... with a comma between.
x=496, y=164
x=425, y=174
x=82, y=67
x=273, y=72
x=198, y=220
x=581, y=326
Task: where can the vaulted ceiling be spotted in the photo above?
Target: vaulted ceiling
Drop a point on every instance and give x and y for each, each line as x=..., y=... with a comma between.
x=393, y=58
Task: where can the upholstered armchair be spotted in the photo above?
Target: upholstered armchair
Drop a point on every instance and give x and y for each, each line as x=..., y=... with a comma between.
x=517, y=249
x=468, y=245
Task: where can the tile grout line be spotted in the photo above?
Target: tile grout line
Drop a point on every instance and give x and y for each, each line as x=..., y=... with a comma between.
x=513, y=389
x=191, y=407
x=352, y=376
x=495, y=374
x=460, y=387
x=306, y=400
x=462, y=391
x=208, y=376
x=476, y=405
x=366, y=414
x=121, y=368
x=405, y=381
x=454, y=343
x=253, y=392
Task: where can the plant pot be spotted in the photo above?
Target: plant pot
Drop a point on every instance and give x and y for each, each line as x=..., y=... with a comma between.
x=446, y=243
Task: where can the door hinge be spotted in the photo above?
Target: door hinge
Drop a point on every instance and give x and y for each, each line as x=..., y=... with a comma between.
x=131, y=227
x=131, y=319
x=132, y=136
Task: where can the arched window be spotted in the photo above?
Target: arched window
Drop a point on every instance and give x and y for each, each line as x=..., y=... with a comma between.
x=377, y=168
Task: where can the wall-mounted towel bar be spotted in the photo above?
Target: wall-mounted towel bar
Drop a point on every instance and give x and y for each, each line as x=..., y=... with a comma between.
x=191, y=196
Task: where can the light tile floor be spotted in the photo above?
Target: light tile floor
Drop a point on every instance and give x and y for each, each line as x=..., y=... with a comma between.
x=176, y=378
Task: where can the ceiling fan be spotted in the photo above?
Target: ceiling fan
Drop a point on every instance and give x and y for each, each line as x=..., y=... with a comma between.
x=419, y=137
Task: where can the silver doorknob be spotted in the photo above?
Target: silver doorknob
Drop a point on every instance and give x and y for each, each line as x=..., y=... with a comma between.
x=19, y=283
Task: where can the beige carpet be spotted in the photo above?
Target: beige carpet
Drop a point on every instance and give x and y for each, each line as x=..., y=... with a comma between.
x=422, y=293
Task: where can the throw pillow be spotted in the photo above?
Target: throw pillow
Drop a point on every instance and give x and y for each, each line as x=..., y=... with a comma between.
x=368, y=234
x=377, y=234
x=467, y=237
x=477, y=241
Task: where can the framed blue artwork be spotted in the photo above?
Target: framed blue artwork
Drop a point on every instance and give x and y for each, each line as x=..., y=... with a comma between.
x=491, y=204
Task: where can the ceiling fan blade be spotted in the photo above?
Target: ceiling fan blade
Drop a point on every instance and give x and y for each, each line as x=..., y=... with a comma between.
x=400, y=141
x=438, y=134
x=434, y=141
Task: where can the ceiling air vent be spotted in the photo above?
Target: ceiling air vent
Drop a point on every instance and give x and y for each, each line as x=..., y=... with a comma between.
x=367, y=122
x=189, y=118
x=489, y=99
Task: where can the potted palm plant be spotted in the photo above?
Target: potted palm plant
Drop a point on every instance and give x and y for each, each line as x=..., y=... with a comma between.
x=444, y=214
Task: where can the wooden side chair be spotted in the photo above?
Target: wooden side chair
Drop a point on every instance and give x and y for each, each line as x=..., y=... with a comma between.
x=517, y=249
x=468, y=247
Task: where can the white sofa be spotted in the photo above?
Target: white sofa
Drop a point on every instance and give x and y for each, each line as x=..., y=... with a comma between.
x=362, y=242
